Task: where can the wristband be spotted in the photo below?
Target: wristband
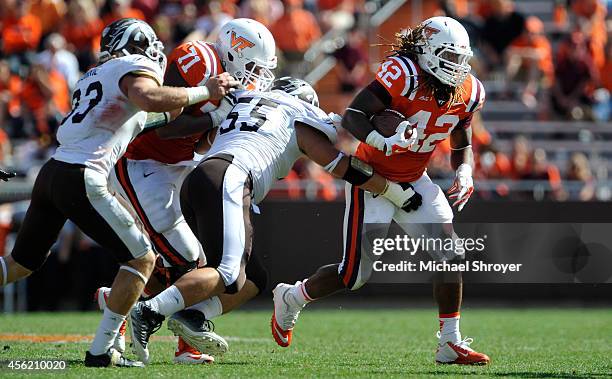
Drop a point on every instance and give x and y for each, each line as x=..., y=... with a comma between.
x=197, y=94
x=358, y=172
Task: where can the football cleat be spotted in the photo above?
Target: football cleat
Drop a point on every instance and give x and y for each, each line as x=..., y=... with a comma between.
x=285, y=314
x=111, y=358
x=186, y=354
x=101, y=296
x=197, y=331
x=143, y=323
x=460, y=353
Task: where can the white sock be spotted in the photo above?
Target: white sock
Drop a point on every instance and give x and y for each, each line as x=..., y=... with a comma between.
x=106, y=333
x=449, y=328
x=167, y=302
x=300, y=295
x=210, y=307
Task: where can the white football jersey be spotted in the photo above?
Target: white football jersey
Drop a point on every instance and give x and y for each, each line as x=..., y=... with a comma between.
x=103, y=121
x=259, y=134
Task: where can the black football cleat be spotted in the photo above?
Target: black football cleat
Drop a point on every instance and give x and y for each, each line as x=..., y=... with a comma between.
x=143, y=323
x=197, y=331
x=112, y=358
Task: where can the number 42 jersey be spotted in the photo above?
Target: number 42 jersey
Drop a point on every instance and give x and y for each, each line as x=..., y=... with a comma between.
x=103, y=121
x=259, y=133
x=401, y=78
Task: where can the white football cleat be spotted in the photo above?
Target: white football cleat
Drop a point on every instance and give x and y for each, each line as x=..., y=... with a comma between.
x=186, y=354
x=285, y=314
x=101, y=296
x=460, y=353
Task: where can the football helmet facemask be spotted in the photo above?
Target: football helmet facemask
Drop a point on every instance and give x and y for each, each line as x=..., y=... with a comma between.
x=298, y=88
x=248, y=53
x=446, y=51
x=131, y=36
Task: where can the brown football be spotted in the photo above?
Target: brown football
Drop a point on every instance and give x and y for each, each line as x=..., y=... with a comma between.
x=386, y=122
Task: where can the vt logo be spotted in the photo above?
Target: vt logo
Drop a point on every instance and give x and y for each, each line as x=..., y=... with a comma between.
x=240, y=43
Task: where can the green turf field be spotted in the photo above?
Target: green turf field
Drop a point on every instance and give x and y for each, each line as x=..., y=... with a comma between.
x=533, y=343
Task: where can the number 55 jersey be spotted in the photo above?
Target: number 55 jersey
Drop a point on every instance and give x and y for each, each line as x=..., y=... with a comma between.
x=259, y=133
x=100, y=139
x=402, y=80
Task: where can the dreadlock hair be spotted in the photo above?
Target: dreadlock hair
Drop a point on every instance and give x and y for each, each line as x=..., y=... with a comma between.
x=409, y=43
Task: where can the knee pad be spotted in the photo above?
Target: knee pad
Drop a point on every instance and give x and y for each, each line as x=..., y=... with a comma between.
x=257, y=273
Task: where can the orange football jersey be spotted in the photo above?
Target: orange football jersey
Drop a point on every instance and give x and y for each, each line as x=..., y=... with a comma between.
x=197, y=61
x=434, y=122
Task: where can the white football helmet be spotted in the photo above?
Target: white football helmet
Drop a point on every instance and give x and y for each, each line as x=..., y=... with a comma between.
x=248, y=52
x=447, y=51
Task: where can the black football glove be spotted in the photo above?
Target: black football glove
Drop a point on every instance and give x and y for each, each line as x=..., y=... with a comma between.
x=6, y=175
x=403, y=196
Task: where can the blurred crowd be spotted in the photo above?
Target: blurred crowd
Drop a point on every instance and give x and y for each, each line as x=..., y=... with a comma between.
x=562, y=69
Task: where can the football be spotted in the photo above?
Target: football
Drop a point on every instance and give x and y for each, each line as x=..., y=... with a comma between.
x=386, y=122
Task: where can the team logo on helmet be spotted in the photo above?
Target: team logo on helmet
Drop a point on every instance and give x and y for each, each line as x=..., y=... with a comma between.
x=429, y=31
x=240, y=43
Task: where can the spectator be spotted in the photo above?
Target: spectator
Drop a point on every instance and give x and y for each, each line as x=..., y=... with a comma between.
x=500, y=28
x=10, y=101
x=21, y=31
x=209, y=24
x=45, y=96
x=117, y=9
x=49, y=12
x=579, y=170
x=81, y=28
x=56, y=57
x=264, y=11
x=521, y=154
x=591, y=18
x=294, y=33
x=575, y=78
x=542, y=169
x=530, y=58
x=352, y=67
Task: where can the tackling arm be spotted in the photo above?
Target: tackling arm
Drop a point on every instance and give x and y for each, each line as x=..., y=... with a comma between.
x=320, y=150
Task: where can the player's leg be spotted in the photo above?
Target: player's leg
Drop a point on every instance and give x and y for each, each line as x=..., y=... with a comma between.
x=103, y=218
x=40, y=229
x=362, y=211
x=434, y=219
x=217, y=194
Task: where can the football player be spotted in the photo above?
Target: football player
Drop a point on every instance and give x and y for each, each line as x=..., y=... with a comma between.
x=156, y=163
x=258, y=143
x=426, y=78
x=109, y=108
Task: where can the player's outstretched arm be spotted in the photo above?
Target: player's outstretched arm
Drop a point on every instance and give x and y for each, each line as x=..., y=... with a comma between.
x=316, y=146
x=462, y=160
x=146, y=94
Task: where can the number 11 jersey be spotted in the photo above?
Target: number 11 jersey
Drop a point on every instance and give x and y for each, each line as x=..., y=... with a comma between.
x=103, y=121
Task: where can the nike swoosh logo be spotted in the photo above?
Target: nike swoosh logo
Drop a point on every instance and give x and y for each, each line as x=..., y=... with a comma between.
x=456, y=350
x=279, y=334
x=149, y=174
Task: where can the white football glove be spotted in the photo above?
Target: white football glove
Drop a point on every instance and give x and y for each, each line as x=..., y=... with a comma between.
x=462, y=187
x=394, y=144
x=403, y=196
